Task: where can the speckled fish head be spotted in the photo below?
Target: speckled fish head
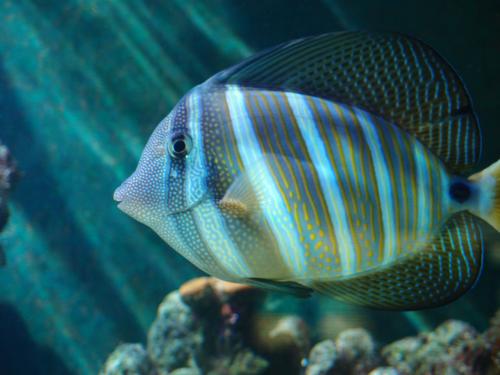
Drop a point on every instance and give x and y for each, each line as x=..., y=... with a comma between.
x=170, y=177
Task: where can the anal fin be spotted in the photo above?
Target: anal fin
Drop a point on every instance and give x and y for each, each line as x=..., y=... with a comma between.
x=446, y=269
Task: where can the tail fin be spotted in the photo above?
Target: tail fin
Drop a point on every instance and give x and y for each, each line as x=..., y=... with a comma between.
x=488, y=181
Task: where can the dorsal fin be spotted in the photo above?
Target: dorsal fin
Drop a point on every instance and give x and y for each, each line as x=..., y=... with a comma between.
x=434, y=276
x=390, y=75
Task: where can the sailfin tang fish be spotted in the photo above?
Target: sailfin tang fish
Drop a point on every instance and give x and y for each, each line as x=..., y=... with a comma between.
x=336, y=163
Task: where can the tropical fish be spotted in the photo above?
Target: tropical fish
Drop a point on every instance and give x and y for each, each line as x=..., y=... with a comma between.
x=335, y=163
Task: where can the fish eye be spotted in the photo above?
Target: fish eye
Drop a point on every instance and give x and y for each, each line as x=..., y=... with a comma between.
x=180, y=145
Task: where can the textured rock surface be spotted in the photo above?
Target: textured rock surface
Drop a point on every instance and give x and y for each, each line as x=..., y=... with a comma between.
x=290, y=332
x=202, y=329
x=491, y=339
x=211, y=327
x=283, y=340
x=454, y=347
x=8, y=174
x=384, y=371
x=356, y=352
x=130, y=359
x=353, y=352
x=185, y=371
x=175, y=336
x=322, y=358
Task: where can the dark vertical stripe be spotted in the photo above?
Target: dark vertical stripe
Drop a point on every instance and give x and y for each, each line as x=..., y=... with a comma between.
x=261, y=133
x=324, y=129
x=403, y=201
x=371, y=188
x=229, y=137
x=391, y=156
x=338, y=127
x=295, y=147
x=411, y=189
x=287, y=113
x=274, y=143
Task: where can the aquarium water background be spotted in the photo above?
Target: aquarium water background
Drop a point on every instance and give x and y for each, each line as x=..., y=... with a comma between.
x=82, y=85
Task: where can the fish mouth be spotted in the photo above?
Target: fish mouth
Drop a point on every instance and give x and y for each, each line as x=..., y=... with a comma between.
x=117, y=197
x=120, y=194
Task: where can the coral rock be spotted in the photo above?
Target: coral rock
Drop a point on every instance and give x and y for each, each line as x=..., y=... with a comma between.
x=185, y=371
x=198, y=293
x=491, y=340
x=202, y=327
x=322, y=358
x=195, y=287
x=284, y=340
x=228, y=338
x=384, y=371
x=8, y=174
x=202, y=292
x=454, y=347
x=228, y=289
x=352, y=353
x=290, y=331
x=356, y=352
x=128, y=359
x=243, y=362
x=355, y=345
x=8, y=170
x=175, y=336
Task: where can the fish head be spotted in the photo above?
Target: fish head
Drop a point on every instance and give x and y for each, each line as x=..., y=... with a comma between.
x=171, y=175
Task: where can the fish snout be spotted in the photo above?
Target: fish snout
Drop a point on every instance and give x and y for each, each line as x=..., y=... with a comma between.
x=127, y=198
x=138, y=198
x=121, y=192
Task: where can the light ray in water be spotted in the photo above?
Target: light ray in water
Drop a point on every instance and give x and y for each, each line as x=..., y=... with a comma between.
x=41, y=289
x=156, y=59
x=214, y=28
x=170, y=36
x=77, y=124
x=417, y=320
x=340, y=16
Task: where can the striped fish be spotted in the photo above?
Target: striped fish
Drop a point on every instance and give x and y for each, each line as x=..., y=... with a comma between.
x=333, y=164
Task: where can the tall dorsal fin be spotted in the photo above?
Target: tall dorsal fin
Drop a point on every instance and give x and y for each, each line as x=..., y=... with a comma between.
x=443, y=271
x=390, y=75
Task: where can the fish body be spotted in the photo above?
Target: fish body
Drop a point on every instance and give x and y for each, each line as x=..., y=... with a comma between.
x=263, y=177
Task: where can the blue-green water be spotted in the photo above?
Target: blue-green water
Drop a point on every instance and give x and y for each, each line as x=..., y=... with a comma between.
x=83, y=84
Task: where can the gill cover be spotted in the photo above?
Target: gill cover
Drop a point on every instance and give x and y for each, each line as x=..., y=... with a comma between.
x=171, y=175
x=186, y=177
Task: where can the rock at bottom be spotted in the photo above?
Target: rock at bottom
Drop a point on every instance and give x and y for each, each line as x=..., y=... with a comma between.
x=128, y=359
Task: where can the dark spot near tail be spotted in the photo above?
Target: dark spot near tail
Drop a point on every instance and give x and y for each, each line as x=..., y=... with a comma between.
x=460, y=191
x=464, y=110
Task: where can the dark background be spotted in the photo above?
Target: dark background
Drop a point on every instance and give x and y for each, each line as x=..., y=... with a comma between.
x=83, y=84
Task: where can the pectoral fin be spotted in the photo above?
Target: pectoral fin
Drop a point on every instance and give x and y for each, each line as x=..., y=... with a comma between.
x=246, y=194
x=240, y=199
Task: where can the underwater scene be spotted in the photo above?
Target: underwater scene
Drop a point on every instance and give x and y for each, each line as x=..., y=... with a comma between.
x=234, y=187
